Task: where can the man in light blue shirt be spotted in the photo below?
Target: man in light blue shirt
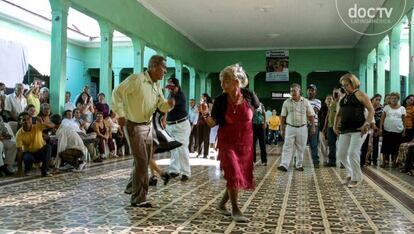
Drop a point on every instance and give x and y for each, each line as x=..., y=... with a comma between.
x=193, y=117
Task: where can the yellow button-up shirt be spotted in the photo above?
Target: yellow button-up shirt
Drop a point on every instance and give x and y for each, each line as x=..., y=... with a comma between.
x=137, y=98
x=31, y=141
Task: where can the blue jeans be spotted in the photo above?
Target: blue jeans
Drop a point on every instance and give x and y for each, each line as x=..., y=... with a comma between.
x=43, y=155
x=273, y=136
x=313, y=142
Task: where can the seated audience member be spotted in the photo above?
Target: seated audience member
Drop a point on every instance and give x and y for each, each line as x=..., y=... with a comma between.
x=68, y=104
x=73, y=125
x=77, y=117
x=103, y=136
x=31, y=147
x=85, y=105
x=116, y=131
x=15, y=103
x=69, y=140
x=8, y=147
x=102, y=106
x=44, y=95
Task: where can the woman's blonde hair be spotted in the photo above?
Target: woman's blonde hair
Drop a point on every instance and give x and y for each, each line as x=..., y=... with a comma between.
x=350, y=78
x=236, y=72
x=395, y=94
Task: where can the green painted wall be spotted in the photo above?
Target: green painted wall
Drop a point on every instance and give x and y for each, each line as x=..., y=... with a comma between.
x=300, y=60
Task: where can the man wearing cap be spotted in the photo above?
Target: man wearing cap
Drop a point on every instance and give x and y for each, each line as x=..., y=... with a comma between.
x=179, y=127
x=314, y=137
x=295, y=112
x=134, y=101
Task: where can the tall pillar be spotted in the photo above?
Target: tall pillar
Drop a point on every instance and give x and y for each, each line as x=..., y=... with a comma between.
x=202, y=86
x=252, y=76
x=117, y=76
x=163, y=82
x=139, y=49
x=208, y=86
x=395, y=59
x=411, y=46
x=370, y=79
x=381, y=60
x=191, y=93
x=304, y=81
x=362, y=77
x=178, y=70
x=59, y=39
x=105, y=73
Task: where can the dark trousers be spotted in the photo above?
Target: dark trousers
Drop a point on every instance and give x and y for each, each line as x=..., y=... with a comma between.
x=120, y=141
x=258, y=134
x=314, y=143
x=101, y=144
x=375, y=144
x=410, y=159
x=332, y=137
x=364, y=151
x=43, y=155
x=203, y=137
x=193, y=139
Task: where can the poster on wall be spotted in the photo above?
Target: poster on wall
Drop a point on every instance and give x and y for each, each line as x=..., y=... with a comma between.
x=277, y=66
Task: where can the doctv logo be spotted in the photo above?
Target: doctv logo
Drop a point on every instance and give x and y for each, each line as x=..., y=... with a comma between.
x=370, y=17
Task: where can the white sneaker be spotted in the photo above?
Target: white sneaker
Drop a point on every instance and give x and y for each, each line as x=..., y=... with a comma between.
x=81, y=167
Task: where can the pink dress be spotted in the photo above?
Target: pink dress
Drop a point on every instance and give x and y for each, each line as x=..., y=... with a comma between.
x=235, y=143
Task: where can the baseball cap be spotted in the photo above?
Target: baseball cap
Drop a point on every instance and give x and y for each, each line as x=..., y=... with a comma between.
x=311, y=86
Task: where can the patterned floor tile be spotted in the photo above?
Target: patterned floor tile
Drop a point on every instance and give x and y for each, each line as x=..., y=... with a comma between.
x=312, y=201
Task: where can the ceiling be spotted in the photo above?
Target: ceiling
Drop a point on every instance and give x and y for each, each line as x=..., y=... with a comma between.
x=259, y=24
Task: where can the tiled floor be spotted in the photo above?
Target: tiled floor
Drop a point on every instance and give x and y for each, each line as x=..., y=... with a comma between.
x=312, y=201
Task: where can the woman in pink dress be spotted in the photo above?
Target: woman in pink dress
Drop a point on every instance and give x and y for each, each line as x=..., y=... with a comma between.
x=233, y=112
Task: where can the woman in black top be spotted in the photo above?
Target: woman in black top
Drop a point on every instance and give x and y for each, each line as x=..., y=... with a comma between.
x=352, y=127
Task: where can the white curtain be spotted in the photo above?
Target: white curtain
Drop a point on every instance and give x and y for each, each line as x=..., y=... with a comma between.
x=13, y=63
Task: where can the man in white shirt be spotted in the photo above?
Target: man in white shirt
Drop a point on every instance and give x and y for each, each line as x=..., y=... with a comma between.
x=296, y=111
x=15, y=103
x=314, y=138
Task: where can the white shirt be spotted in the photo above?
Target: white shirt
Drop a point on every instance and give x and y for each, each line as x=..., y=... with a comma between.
x=393, y=119
x=296, y=112
x=316, y=104
x=71, y=124
x=15, y=104
x=69, y=106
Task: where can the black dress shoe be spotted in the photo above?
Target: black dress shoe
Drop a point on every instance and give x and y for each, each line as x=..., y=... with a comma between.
x=173, y=174
x=184, y=178
x=142, y=205
x=166, y=177
x=299, y=169
x=46, y=174
x=281, y=168
x=153, y=181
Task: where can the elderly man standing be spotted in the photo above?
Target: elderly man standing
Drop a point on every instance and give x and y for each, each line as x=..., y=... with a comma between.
x=15, y=103
x=296, y=111
x=134, y=101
